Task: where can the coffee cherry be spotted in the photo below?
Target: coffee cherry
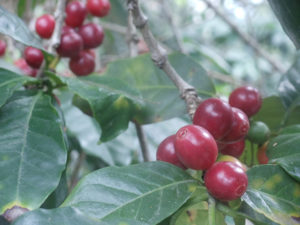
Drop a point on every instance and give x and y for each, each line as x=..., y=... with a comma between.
x=26, y=69
x=2, y=47
x=92, y=35
x=240, y=126
x=45, y=25
x=259, y=132
x=98, y=8
x=195, y=147
x=75, y=14
x=34, y=57
x=229, y=158
x=67, y=29
x=226, y=181
x=82, y=65
x=215, y=116
x=70, y=44
x=235, y=149
x=262, y=154
x=166, y=152
x=246, y=98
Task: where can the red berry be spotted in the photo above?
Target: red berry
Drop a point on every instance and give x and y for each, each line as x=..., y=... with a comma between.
x=34, y=57
x=92, y=35
x=45, y=25
x=262, y=154
x=98, y=8
x=66, y=30
x=166, y=152
x=75, y=14
x=26, y=69
x=195, y=147
x=215, y=116
x=2, y=47
x=246, y=98
x=70, y=45
x=226, y=181
x=240, y=126
x=82, y=65
x=235, y=149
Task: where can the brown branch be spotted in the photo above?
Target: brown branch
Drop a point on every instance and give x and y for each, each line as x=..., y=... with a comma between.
x=59, y=15
x=158, y=54
x=246, y=38
x=142, y=141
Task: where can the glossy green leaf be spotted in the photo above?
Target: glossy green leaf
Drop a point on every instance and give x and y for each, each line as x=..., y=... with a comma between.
x=287, y=12
x=134, y=89
x=284, y=150
x=147, y=192
x=142, y=194
x=275, y=115
x=9, y=83
x=32, y=153
x=273, y=193
x=13, y=26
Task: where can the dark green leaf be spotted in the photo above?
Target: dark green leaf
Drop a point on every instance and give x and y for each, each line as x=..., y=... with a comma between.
x=32, y=152
x=273, y=193
x=142, y=194
x=287, y=12
x=9, y=83
x=284, y=150
x=13, y=26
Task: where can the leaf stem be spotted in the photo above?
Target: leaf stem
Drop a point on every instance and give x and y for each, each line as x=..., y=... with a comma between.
x=78, y=165
x=142, y=141
x=211, y=211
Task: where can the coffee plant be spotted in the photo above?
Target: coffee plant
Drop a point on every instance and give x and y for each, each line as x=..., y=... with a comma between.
x=108, y=117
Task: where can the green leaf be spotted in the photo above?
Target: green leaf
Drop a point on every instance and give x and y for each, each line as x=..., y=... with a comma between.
x=32, y=152
x=273, y=193
x=275, y=115
x=13, y=26
x=142, y=194
x=9, y=83
x=288, y=14
x=284, y=150
x=21, y=7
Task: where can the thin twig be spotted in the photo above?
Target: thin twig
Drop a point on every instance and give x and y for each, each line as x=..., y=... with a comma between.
x=142, y=141
x=114, y=27
x=226, y=78
x=167, y=12
x=158, y=54
x=59, y=15
x=247, y=38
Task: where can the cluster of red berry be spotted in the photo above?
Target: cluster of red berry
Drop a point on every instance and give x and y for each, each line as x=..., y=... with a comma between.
x=217, y=126
x=77, y=39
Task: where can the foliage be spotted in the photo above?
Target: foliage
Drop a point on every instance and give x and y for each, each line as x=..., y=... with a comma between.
x=58, y=130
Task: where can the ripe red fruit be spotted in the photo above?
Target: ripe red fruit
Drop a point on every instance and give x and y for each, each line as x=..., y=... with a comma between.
x=215, y=116
x=240, y=126
x=26, y=69
x=92, y=35
x=262, y=154
x=226, y=181
x=195, y=147
x=166, y=152
x=45, y=25
x=235, y=149
x=2, y=47
x=70, y=44
x=82, y=65
x=66, y=30
x=75, y=14
x=246, y=98
x=34, y=57
x=98, y=8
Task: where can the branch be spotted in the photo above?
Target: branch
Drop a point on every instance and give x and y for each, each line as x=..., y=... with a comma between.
x=167, y=12
x=158, y=54
x=142, y=141
x=59, y=15
x=226, y=78
x=132, y=37
x=246, y=38
x=114, y=27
